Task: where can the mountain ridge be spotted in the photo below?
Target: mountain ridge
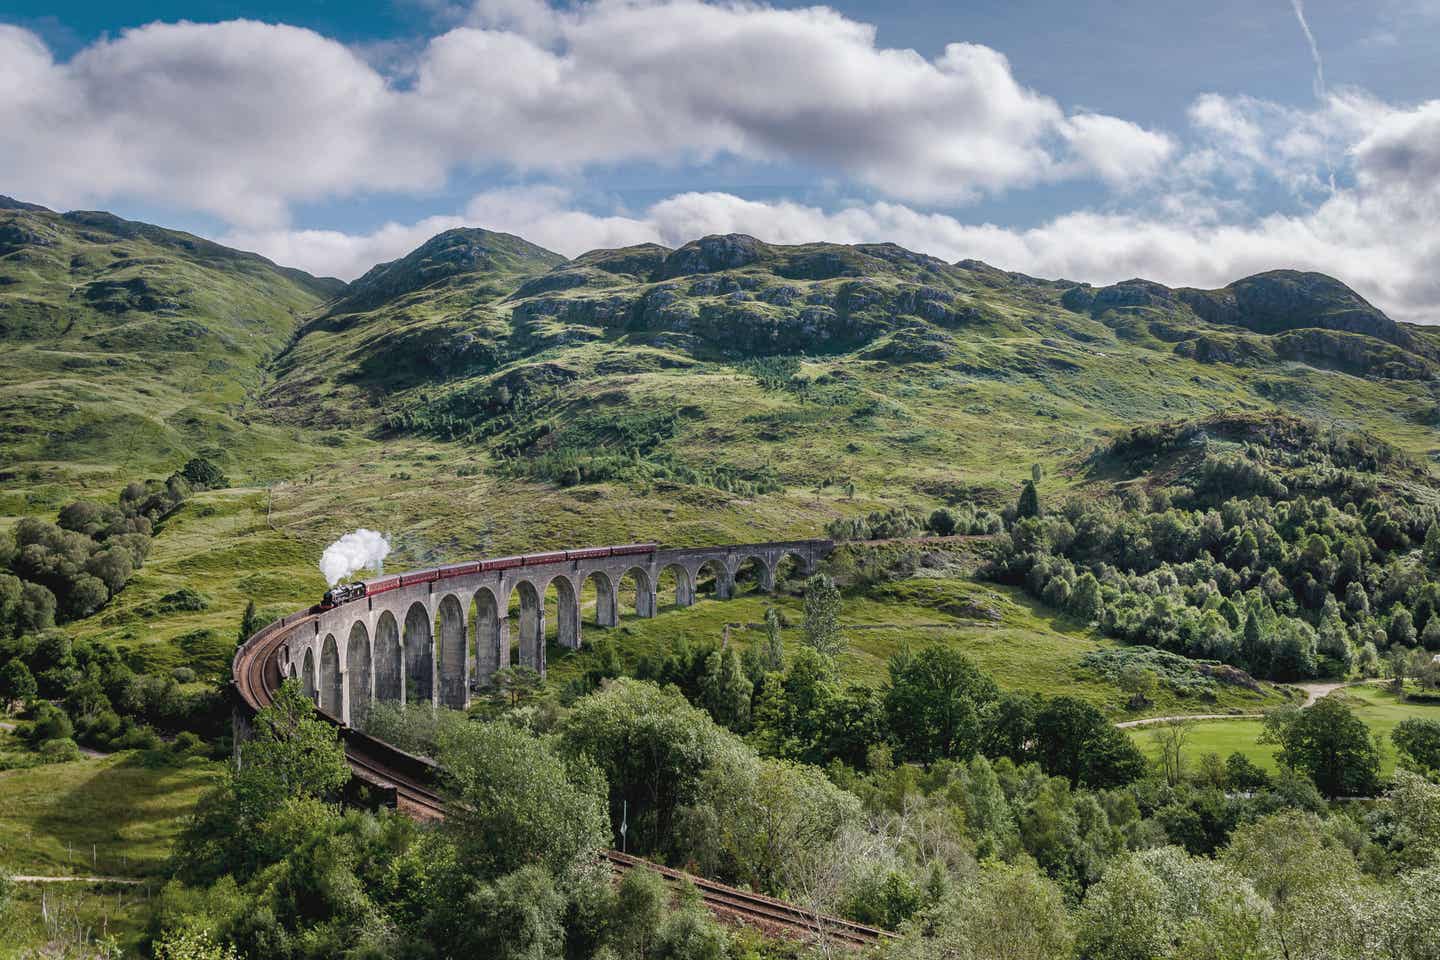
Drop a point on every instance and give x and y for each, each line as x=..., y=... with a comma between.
x=533, y=358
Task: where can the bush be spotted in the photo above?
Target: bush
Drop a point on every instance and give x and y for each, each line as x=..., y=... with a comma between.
x=50, y=723
x=187, y=744
x=61, y=750
x=203, y=475
x=184, y=599
x=942, y=522
x=895, y=523
x=136, y=736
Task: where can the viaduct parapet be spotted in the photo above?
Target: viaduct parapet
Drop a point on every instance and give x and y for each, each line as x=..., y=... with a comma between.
x=437, y=635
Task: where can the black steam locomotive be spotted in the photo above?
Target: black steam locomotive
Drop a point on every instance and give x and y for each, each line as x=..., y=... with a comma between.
x=342, y=594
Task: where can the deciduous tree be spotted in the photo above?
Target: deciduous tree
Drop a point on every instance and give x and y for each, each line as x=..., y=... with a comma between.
x=518, y=801
x=1076, y=741
x=1328, y=743
x=1418, y=740
x=16, y=683
x=822, y=615
x=934, y=702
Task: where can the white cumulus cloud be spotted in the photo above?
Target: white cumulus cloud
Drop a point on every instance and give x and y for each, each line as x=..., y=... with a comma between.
x=243, y=120
x=1375, y=236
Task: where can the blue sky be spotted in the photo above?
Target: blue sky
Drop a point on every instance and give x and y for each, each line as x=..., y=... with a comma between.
x=1186, y=142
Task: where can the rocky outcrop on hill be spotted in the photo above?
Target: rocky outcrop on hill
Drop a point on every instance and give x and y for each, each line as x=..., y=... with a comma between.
x=711, y=254
x=450, y=254
x=1280, y=315
x=1284, y=300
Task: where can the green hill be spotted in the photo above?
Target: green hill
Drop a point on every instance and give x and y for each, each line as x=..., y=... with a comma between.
x=484, y=394
x=749, y=367
x=128, y=347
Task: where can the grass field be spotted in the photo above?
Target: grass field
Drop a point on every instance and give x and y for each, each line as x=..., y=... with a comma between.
x=44, y=919
x=110, y=817
x=1024, y=647
x=1222, y=737
x=1381, y=710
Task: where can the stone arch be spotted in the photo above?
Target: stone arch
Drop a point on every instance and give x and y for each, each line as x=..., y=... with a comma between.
x=332, y=688
x=389, y=664
x=673, y=583
x=644, y=590
x=490, y=631
x=307, y=675
x=450, y=652
x=720, y=585
x=357, y=673
x=607, y=599
x=567, y=611
x=419, y=647
x=791, y=564
x=750, y=570
x=532, y=625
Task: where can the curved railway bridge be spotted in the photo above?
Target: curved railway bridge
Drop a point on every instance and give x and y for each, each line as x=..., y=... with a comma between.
x=433, y=635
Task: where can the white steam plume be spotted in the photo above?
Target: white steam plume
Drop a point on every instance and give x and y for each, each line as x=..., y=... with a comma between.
x=352, y=552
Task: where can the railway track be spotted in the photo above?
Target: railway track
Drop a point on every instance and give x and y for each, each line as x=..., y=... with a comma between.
x=407, y=782
x=752, y=909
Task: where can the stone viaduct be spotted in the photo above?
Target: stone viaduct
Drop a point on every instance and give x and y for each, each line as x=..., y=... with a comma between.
x=438, y=639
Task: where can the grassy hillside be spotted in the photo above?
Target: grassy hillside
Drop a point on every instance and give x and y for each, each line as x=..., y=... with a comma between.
x=128, y=348
x=97, y=817
x=750, y=368
x=483, y=394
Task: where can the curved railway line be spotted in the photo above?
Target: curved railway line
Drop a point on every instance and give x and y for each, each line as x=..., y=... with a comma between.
x=407, y=782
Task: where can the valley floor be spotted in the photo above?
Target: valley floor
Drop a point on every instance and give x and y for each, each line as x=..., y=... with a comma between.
x=111, y=820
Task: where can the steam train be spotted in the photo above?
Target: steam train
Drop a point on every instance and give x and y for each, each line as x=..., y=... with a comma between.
x=348, y=592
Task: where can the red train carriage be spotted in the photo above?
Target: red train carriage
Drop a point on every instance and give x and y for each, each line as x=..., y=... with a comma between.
x=382, y=585
x=419, y=576
x=633, y=548
x=587, y=553
x=460, y=569
x=356, y=591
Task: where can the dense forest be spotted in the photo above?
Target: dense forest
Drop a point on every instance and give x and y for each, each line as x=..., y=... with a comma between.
x=1289, y=552
x=1053, y=845
x=84, y=691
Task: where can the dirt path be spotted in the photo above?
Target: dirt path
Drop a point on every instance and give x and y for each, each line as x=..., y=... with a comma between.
x=1313, y=692
x=1316, y=691
x=84, y=751
x=1151, y=721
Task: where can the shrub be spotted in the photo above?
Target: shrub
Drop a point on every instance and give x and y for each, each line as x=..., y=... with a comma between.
x=61, y=750
x=201, y=474
x=50, y=723
x=184, y=599
x=942, y=522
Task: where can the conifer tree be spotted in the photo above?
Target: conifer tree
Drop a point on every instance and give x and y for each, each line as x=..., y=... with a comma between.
x=1029, y=504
